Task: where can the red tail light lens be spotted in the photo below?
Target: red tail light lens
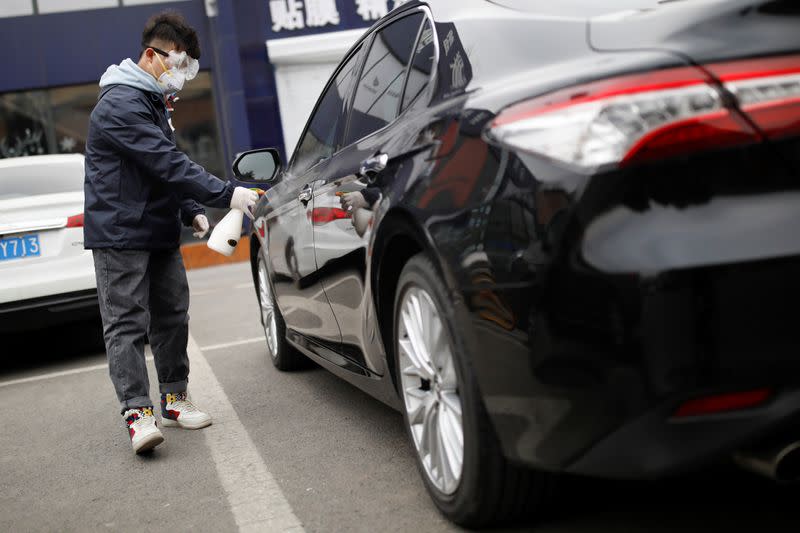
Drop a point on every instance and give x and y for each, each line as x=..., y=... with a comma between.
x=75, y=221
x=655, y=115
x=326, y=215
x=767, y=90
x=722, y=403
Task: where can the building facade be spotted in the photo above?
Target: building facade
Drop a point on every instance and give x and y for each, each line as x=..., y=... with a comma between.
x=263, y=64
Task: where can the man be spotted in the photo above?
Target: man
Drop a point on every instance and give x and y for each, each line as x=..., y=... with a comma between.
x=139, y=187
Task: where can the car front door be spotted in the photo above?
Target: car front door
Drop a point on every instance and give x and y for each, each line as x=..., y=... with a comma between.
x=374, y=143
x=287, y=215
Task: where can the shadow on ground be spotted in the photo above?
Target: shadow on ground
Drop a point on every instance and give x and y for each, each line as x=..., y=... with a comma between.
x=53, y=345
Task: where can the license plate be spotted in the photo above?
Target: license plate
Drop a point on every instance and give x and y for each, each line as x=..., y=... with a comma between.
x=19, y=247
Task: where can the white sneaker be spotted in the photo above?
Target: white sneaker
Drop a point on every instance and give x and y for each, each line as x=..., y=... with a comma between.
x=142, y=429
x=178, y=411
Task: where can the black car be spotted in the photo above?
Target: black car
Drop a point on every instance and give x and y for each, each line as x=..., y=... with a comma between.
x=576, y=246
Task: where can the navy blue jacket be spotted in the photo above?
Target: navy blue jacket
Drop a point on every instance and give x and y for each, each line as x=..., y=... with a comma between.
x=138, y=185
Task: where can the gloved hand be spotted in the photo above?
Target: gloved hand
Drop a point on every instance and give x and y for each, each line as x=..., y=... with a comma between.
x=200, y=225
x=243, y=199
x=352, y=200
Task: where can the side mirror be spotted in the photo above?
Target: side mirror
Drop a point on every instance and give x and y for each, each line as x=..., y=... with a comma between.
x=257, y=166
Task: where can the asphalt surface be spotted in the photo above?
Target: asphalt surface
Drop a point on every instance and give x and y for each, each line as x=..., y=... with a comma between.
x=339, y=460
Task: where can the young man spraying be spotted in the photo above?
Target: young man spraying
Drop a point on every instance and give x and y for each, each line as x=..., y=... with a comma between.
x=139, y=187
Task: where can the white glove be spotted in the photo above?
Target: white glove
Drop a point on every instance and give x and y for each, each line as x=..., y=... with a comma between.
x=200, y=225
x=352, y=200
x=243, y=199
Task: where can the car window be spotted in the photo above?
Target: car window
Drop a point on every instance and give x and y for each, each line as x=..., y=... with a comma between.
x=421, y=65
x=377, y=99
x=325, y=127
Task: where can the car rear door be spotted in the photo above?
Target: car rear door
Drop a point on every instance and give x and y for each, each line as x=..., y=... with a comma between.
x=376, y=143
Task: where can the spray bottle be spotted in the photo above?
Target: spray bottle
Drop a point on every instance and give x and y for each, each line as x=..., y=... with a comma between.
x=226, y=234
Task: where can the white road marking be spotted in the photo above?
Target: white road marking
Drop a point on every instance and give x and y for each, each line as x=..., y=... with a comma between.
x=255, y=499
x=102, y=366
x=215, y=290
x=231, y=344
x=59, y=374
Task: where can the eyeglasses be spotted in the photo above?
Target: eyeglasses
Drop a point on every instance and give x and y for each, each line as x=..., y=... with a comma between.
x=179, y=60
x=160, y=51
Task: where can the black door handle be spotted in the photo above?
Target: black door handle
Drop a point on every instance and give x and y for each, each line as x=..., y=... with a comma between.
x=305, y=195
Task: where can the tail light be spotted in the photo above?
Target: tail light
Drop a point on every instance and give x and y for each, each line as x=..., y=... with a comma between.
x=656, y=114
x=325, y=215
x=75, y=221
x=721, y=403
x=767, y=90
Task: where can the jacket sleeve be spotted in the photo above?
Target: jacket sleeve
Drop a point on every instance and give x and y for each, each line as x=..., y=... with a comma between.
x=130, y=129
x=371, y=195
x=189, y=210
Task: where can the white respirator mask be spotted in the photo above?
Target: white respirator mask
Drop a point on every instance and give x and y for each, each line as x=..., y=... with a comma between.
x=178, y=69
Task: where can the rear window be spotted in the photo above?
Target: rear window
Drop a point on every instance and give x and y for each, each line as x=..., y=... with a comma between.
x=26, y=179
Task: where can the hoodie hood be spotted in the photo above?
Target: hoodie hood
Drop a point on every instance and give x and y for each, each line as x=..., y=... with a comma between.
x=131, y=74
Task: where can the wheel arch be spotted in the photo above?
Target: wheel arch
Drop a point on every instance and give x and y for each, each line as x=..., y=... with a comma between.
x=400, y=237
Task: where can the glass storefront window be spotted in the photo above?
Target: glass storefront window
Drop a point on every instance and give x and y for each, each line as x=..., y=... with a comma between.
x=195, y=122
x=24, y=124
x=70, y=109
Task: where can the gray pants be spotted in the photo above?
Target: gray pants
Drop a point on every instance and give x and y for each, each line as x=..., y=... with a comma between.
x=143, y=293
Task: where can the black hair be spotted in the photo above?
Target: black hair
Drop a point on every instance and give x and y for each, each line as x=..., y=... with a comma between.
x=171, y=27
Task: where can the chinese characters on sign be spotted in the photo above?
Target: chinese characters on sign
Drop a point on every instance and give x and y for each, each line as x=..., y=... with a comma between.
x=286, y=14
x=321, y=12
x=372, y=9
x=298, y=14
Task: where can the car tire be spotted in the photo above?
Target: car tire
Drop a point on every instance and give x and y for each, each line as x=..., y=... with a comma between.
x=283, y=355
x=489, y=490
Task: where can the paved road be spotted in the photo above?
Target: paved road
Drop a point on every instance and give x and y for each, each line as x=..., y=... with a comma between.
x=287, y=451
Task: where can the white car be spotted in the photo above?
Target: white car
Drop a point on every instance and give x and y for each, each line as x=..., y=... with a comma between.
x=46, y=276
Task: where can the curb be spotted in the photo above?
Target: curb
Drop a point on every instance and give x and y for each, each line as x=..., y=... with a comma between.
x=198, y=255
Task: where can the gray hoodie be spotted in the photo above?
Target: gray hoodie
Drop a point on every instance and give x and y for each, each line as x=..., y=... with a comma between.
x=130, y=74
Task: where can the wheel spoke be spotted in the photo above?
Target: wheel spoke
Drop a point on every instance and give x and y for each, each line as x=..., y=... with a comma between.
x=414, y=371
x=426, y=323
x=415, y=348
x=424, y=438
x=408, y=348
x=451, y=400
x=418, y=405
x=446, y=456
x=431, y=432
x=453, y=432
x=435, y=343
x=267, y=309
x=448, y=372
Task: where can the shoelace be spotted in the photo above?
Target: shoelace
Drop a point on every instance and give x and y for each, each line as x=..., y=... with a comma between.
x=186, y=406
x=183, y=404
x=144, y=417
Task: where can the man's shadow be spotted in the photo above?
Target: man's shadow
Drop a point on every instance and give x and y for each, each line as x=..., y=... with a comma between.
x=36, y=348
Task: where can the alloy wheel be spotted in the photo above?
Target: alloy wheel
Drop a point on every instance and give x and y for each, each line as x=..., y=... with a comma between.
x=267, y=308
x=430, y=389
